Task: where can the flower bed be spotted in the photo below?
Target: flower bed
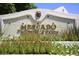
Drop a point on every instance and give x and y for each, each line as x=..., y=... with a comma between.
x=37, y=47
x=60, y=49
x=32, y=43
x=25, y=47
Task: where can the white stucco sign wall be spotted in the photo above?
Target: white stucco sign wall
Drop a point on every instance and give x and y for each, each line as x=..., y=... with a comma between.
x=41, y=19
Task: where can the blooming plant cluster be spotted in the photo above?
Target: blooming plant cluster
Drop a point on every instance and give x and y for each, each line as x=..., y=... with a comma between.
x=59, y=49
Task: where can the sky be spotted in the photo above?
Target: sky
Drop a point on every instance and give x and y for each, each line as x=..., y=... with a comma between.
x=71, y=7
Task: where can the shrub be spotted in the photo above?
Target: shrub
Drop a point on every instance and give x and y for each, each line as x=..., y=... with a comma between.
x=29, y=49
x=70, y=35
x=36, y=48
x=48, y=47
x=42, y=48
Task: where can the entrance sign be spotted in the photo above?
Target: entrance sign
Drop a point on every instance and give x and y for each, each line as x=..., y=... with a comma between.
x=42, y=21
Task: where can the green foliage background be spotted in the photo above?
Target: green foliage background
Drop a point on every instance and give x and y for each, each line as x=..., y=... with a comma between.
x=6, y=8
